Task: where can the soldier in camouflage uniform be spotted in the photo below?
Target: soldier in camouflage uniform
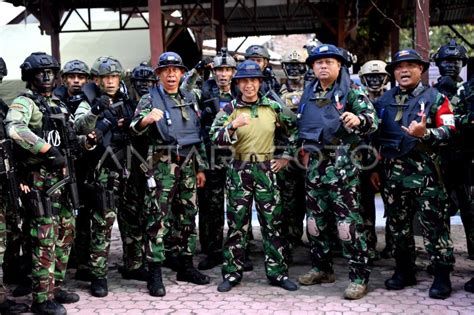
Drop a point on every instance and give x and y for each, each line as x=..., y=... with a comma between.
x=216, y=94
x=261, y=56
x=250, y=128
x=130, y=211
x=374, y=78
x=75, y=74
x=110, y=114
x=291, y=179
x=331, y=119
x=6, y=306
x=169, y=116
x=415, y=120
x=30, y=124
x=464, y=115
x=450, y=59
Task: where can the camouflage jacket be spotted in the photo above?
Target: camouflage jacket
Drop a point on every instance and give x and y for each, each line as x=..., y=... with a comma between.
x=144, y=107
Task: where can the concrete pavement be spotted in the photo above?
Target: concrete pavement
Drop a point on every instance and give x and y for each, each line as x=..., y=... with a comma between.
x=254, y=295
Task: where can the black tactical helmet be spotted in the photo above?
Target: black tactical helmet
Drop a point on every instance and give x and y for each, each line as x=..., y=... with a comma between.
x=3, y=68
x=223, y=59
x=168, y=59
x=109, y=66
x=348, y=56
x=248, y=69
x=451, y=51
x=76, y=67
x=143, y=72
x=325, y=51
x=409, y=55
x=257, y=51
x=35, y=61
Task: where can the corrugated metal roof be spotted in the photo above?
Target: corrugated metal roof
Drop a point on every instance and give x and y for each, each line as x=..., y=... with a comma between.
x=279, y=16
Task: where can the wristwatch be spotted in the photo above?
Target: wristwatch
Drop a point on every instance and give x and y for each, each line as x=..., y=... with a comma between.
x=231, y=127
x=427, y=134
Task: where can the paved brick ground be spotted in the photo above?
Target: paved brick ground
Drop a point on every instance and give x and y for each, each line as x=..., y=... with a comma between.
x=254, y=295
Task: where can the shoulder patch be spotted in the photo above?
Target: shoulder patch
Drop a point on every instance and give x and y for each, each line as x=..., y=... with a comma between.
x=21, y=102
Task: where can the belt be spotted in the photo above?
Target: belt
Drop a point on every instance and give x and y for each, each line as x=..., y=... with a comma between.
x=253, y=157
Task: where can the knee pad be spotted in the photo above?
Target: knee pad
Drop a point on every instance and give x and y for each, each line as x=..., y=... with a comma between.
x=312, y=227
x=344, y=230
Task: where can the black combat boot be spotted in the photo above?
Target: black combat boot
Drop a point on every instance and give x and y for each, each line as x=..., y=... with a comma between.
x=12, y=307
x=210, y=261
x=155, y=281
x=188, y=273
x=64, y=297
x=48, y=308
x=140, y=274
x=99, y=288
x=441, y=287
x=284, y=283
x=248, y=265
x=83, y=275
x=469, y=286
x=401, y=278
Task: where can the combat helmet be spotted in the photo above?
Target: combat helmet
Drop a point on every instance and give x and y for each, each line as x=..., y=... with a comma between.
x=293, y=63
x=224, y=59
x=35, y=61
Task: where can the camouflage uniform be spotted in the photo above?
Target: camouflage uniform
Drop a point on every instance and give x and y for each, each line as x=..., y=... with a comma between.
x=110, y=177
x=332, y=188
x=51, y=235
x=411, y=182
x=211, y=197
x=291, y=182
x=175, y=194
x=249, y=177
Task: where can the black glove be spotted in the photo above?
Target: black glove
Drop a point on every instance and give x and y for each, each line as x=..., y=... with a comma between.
x=447, y=86
x=203, y=63
x=100, y=104
x=54, y=159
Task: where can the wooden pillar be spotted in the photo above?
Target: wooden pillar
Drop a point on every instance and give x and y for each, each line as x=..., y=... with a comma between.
x=218, y=16
x=155, y=29
x=395, y=36
x=55, y=51
x=341, y=21
x=422, y=35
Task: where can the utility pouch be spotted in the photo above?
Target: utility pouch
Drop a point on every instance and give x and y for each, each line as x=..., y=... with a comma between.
x=101, y=197
x=40, y=205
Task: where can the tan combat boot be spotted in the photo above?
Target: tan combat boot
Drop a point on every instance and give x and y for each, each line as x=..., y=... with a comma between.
x=314, y=276
x=355, y=291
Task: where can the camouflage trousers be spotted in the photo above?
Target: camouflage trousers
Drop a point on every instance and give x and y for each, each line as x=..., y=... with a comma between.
x=457, y=170
x=109, y=188
x=3, y=234
x=52, y=237
x=171, y=208
x=333, y=190
x=367, y=203
x=130, y=220
x=291, y=184
x=211, y=212
x=409, y=187
x=247, y=182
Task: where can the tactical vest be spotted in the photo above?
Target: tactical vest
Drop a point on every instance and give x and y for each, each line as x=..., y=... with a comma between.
x=72, y=102
x=50, y=130
x=3, y=114
x=211, y=101
x=319, y=119
x=173, y=128
x=392, y=139
x=107, y=123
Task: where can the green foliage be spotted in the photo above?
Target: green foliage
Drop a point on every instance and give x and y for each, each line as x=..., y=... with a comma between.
x=439, y=35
